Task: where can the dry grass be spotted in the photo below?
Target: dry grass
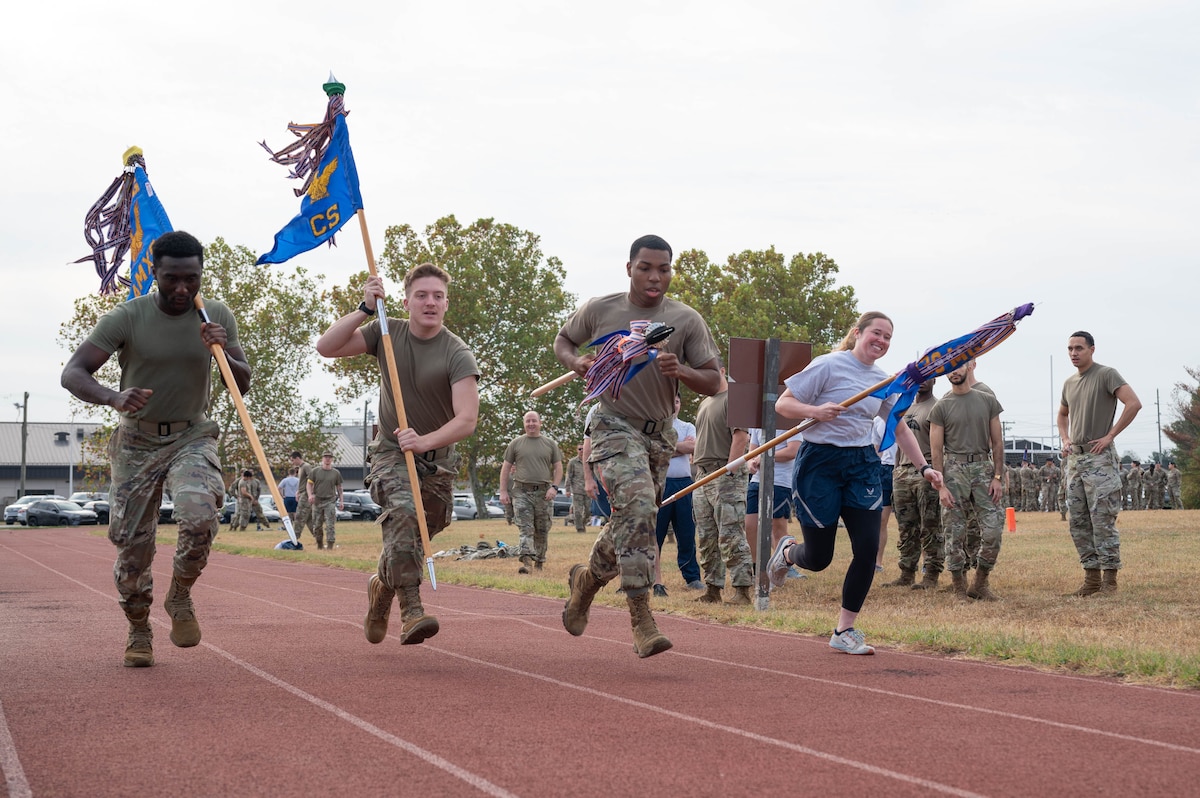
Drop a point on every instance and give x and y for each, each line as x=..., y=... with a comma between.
x=1148, y=632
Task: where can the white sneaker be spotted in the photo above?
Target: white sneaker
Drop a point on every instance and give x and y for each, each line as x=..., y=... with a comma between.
x=777, y=566
x=850, y=641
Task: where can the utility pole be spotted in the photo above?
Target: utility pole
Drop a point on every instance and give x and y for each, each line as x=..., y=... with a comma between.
x=366, y=413
x=1158, y=413
x=24, y=437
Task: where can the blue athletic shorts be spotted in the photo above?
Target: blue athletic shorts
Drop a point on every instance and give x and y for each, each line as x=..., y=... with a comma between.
x=885, y=479
x=829, y=478
x=783, y=501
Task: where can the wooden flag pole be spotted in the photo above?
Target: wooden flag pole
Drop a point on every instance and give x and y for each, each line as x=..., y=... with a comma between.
x=263, y=464
x=771, y=444
x=557, y=382
x=398, y=400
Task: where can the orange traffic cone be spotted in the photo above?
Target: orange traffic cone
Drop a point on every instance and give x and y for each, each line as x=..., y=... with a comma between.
x=1010, y=519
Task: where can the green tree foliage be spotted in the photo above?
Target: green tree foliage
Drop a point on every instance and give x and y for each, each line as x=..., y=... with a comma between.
x=760, y=294
x=507, y=302
x=278, y=313
x=1184, y=432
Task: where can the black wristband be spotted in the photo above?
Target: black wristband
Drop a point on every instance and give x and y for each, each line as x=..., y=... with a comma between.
x=921, y=471
x=363, y=307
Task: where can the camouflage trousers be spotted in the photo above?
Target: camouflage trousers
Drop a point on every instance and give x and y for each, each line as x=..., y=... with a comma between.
x=631, y=465
x=324, y=521
x=1050, y=496
x=402, y=559
x=303, y=514
x=1093, y=501
x=581, y=508
x=186, y=464
x=1173, y=495
x=918, y=514
x=1062, y=494
x=720, y=511
x=531, y=514
x=968, y=484
x=242, y=519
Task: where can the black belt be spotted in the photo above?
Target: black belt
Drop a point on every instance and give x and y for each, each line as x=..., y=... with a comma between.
x=159, y=428
x=648, y=426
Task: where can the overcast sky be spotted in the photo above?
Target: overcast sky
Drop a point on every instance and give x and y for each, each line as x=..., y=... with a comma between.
x=955, y=159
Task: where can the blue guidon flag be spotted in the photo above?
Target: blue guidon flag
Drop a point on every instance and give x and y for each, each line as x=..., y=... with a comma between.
x=330, y=195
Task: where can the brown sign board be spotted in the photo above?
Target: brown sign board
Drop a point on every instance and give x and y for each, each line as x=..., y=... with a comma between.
x=746, y=366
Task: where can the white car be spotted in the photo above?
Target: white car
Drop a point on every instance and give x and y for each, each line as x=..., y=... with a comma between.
x=464, y=507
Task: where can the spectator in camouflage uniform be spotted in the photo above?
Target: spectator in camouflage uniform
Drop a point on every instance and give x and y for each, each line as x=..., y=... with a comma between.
x=1051, y=478
x=1029, y=487
x=965, y=435
x=325, y=499
x=248, y=489
x=974, y=537
x=720, y=505
x=1134, y=480
x=1156, y=487
x=577, y=490
x=532, y=468
x=1175, y=486
x=632, y=437
x=163, y=439
x=438, y=380
x=1085, y=424
x=1014, y=487
x=303, y=509
x=915, y=503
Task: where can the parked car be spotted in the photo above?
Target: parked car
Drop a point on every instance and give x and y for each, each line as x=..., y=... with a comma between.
x=562, y=503
x=100, y=508
x=166, y=510
x=465, y=508
x=360, y=506
x=57, y=512
x=10, y=512
x=265, y=510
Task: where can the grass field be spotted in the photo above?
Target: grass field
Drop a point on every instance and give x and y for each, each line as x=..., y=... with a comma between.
x=1148, y=632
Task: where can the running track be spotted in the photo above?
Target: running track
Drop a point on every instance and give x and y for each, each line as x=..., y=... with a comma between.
x=285, y=697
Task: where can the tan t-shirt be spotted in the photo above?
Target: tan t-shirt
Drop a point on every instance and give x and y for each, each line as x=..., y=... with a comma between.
x=714, y=436
x=532, y=459
x=1091, y=402
x=163, y=353
x=428, y=369
x=917, y=419
x=649, y=395
x=325, y=483
x=967, y=421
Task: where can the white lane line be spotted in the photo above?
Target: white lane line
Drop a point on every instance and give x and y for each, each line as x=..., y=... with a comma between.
x=10, y=763
x=476, y=781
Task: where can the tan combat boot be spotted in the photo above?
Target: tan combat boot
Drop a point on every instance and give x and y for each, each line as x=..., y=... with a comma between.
x=379, y=608
x=139, y=650
x=929, y=581
x=959, y=586
x=185, y=629
x=980, y=590
x=583, y=587
x=647, y=640
x=905, y=579
x=1108, y=580
x=1091, y=583
x=711, y=596
x=526, y=561
x=417, y=626
x=741, y=597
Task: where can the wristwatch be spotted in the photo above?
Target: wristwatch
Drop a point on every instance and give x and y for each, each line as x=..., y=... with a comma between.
x=997, y=476
x=363, y=307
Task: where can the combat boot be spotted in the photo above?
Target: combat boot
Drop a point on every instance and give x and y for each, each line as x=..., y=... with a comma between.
x=139, y=648
x=379, y=608
x=583, y=587
x=185, y=629
x=647, y=640
x=959, y=586
x=526, y=561
x=979, y=589
x=1108, y=580
x=417, y=626
x=1091, y=583
x=929, y=581
x=741, y=597
x=905, y=579
x=712, y=595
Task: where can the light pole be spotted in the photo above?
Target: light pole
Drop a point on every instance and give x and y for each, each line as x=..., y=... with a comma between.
x=65, y=437
x=367, y=417
x=24, y=406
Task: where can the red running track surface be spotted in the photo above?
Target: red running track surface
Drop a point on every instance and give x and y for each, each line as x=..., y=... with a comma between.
x=284, y=696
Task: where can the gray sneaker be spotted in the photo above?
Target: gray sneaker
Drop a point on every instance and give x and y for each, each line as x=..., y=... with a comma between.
x=850, y=641
x=696, y=584
x=778, y=565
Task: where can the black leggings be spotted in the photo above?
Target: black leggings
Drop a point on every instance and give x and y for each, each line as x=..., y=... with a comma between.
x=816, y=552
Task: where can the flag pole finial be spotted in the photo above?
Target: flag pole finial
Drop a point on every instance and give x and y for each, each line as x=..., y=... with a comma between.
x=332, y=86
x=130, y=154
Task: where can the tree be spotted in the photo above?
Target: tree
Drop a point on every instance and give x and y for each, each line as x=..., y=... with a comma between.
x=1184, y=432
x=507, y=302
x=278, y=313
x=755, y=294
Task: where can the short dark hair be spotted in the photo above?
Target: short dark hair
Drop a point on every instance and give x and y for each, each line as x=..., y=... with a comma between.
x=1087, y=336
x=297, y=454
x=177, y=244
x=649, y=242
x=247, y=473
